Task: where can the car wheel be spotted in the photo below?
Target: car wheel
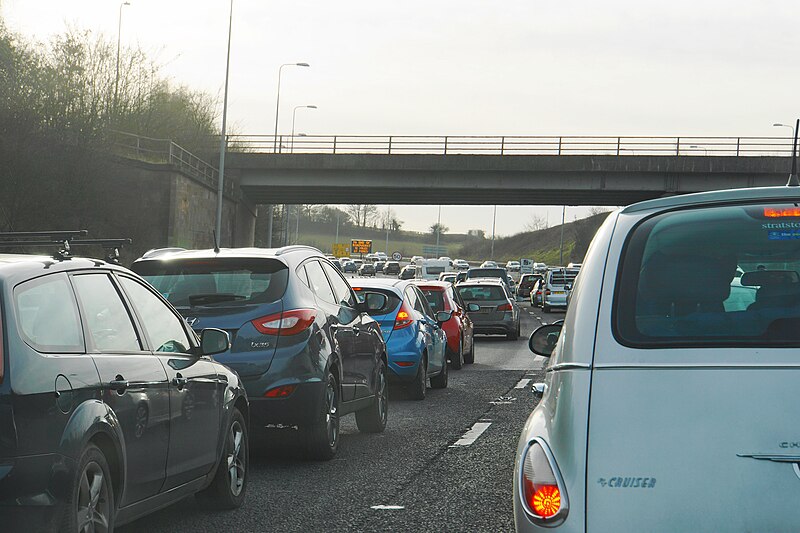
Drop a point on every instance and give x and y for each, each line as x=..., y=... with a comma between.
x=323, y=435
x=513, y=335
x=229, y=485
x=545, y=308
x=469, y=357
x=90, y=503
x=457, y=359
x=373, y=418
x=440, y=381
x=417, y=388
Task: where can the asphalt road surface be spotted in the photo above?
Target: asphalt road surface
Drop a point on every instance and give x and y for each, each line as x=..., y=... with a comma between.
x=422, y=474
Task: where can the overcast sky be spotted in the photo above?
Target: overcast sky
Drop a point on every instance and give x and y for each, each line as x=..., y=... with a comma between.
x=469, y=67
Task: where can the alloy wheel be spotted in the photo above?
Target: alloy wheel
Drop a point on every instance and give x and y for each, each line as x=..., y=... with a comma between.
x=236, y=458
x=331, y=413
x=93, y=502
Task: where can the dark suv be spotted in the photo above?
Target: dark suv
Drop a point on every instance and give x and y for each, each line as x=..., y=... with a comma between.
x=306, y=349
x=110, y=407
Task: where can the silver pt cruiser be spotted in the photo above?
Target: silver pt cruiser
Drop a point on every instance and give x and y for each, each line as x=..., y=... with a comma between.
x=672, y=393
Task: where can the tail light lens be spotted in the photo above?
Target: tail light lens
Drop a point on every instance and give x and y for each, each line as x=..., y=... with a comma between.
x=504, y=307
x=547, y=292
x=283, y=391
x=541, y=488
x=403, y=318
x=287, y=323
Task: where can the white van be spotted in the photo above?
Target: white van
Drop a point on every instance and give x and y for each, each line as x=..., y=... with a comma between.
x=431, y=268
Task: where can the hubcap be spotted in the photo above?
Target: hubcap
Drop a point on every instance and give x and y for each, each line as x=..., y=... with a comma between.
x=236, y=458
x=93, y=502
x=331, y=414
x=382, y=399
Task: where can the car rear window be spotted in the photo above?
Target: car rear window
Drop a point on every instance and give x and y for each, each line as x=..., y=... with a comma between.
x=392, y=300
x=562, y=277
x=486, y=273
x=717, y=276
x=435, y=299
x=434, y=270
x=477, y=293
x=222, y=281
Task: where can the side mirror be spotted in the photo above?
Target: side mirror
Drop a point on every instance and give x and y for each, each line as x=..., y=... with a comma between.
x=214, y=341
x=473, y=308
x=374, y=301
x=543, y=340
x=443, y=316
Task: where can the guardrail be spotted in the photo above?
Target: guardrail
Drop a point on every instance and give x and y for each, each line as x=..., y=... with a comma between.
x=165, y=151
x=513, y=145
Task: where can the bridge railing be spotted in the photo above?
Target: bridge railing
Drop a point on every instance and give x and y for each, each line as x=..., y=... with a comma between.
x=164, y=151
x=513, y=145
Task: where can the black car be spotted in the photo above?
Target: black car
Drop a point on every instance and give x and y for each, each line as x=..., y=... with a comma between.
x=306, y=349
x=367, y=269
x=526, y=283
x=110, y=406
x=391, y=267
x=408, y=272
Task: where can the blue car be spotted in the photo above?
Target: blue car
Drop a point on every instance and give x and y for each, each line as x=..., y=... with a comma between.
x=415, y=340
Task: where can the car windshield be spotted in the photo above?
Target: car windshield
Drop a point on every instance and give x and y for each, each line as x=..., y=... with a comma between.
x=479, y=293
x=719, y=276
x=216, y=281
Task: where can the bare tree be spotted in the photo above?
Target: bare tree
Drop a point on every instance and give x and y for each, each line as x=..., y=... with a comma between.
x=536, y=223
x=362, y=214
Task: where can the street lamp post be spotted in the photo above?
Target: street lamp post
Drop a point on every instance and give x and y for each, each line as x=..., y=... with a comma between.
x=294, y=116
x=779, y=125
x=223, y=140
x=561, y=246
x=119, y=41
x=438, y=228
x=494, y=219
x=278, y=100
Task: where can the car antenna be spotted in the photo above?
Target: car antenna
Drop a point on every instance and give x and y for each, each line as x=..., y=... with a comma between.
x=793, y=181
x=216, y=242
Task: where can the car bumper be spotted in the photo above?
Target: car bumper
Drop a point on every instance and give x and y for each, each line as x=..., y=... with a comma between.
x=505, y=325
x=33, y=490
x=302, y=407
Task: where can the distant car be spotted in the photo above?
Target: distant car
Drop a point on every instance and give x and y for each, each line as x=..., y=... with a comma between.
x=349, y=266
x=358, y=262
x=574, y=265
x=536, y=292
x=497, y=313
x=460, y=341
x=492, y=272
x=408, y=272
x=539, y=268
x=381, y=256
x=391, y=267
x=449, y=277
x=379, y=265
x=461, y=275
x=416, y=258
x=513, y=266
x=557, y=287
x=415, y=340
x=526, y=283
x=367, y=269
x=460, y=264
x=488, y=264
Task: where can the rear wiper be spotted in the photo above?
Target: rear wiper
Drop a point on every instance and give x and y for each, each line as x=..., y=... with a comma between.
x=198, y=300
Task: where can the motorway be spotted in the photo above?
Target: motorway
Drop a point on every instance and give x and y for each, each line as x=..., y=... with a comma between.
x=420, y=475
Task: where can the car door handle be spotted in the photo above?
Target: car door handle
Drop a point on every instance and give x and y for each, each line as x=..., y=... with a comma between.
x=179, y=381
x=119, y=384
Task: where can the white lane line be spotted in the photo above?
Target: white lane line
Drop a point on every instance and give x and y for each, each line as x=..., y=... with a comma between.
x=522, y=384
x=387, y=507
x=472, y=435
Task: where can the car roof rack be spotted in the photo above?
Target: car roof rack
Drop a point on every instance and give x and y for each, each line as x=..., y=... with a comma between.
x=64, y=240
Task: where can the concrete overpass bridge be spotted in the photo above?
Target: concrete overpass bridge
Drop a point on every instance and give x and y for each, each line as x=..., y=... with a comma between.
x=498, y=170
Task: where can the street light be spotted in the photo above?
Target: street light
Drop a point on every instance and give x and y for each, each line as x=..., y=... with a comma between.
x=494, y=220
x=119, y=40
x=294, y=116
x=223, y=141
x=278, y=101
x=779, y=125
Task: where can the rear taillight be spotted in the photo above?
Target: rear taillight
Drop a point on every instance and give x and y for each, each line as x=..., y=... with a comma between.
x=547, y=292
x=287, y=323
x=504, y=307
x=541, y=489
x=403, y=318
x=283, y=391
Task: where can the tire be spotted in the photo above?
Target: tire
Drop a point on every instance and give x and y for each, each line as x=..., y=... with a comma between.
x=229, y=486
x=416, y=389
x=322, y=437
x=469, y=358
x=91, y=498
x=373, y=418
x=440, y=381
x=457, y=359
x=545, y=308
x=514, y=335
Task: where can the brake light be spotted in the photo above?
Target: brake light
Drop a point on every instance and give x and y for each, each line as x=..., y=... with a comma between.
x=280, y=392
x=403, y=318
x=780, y=212
x=504, y=307
x=546, y=292
x=289, y=322
x=541, y=491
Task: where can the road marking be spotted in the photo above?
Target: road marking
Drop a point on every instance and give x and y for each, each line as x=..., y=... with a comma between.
x=503, y=400
x=522, y=384
x=387, y=507
x=472, y=435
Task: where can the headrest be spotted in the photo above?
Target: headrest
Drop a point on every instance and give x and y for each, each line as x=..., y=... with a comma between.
x=759, y=278
x=693, y=278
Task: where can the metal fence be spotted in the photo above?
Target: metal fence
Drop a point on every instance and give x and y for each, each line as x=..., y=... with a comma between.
x=512, y=145
x=164, y=151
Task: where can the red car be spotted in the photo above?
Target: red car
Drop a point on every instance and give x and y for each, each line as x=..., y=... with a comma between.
x=460, y=344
